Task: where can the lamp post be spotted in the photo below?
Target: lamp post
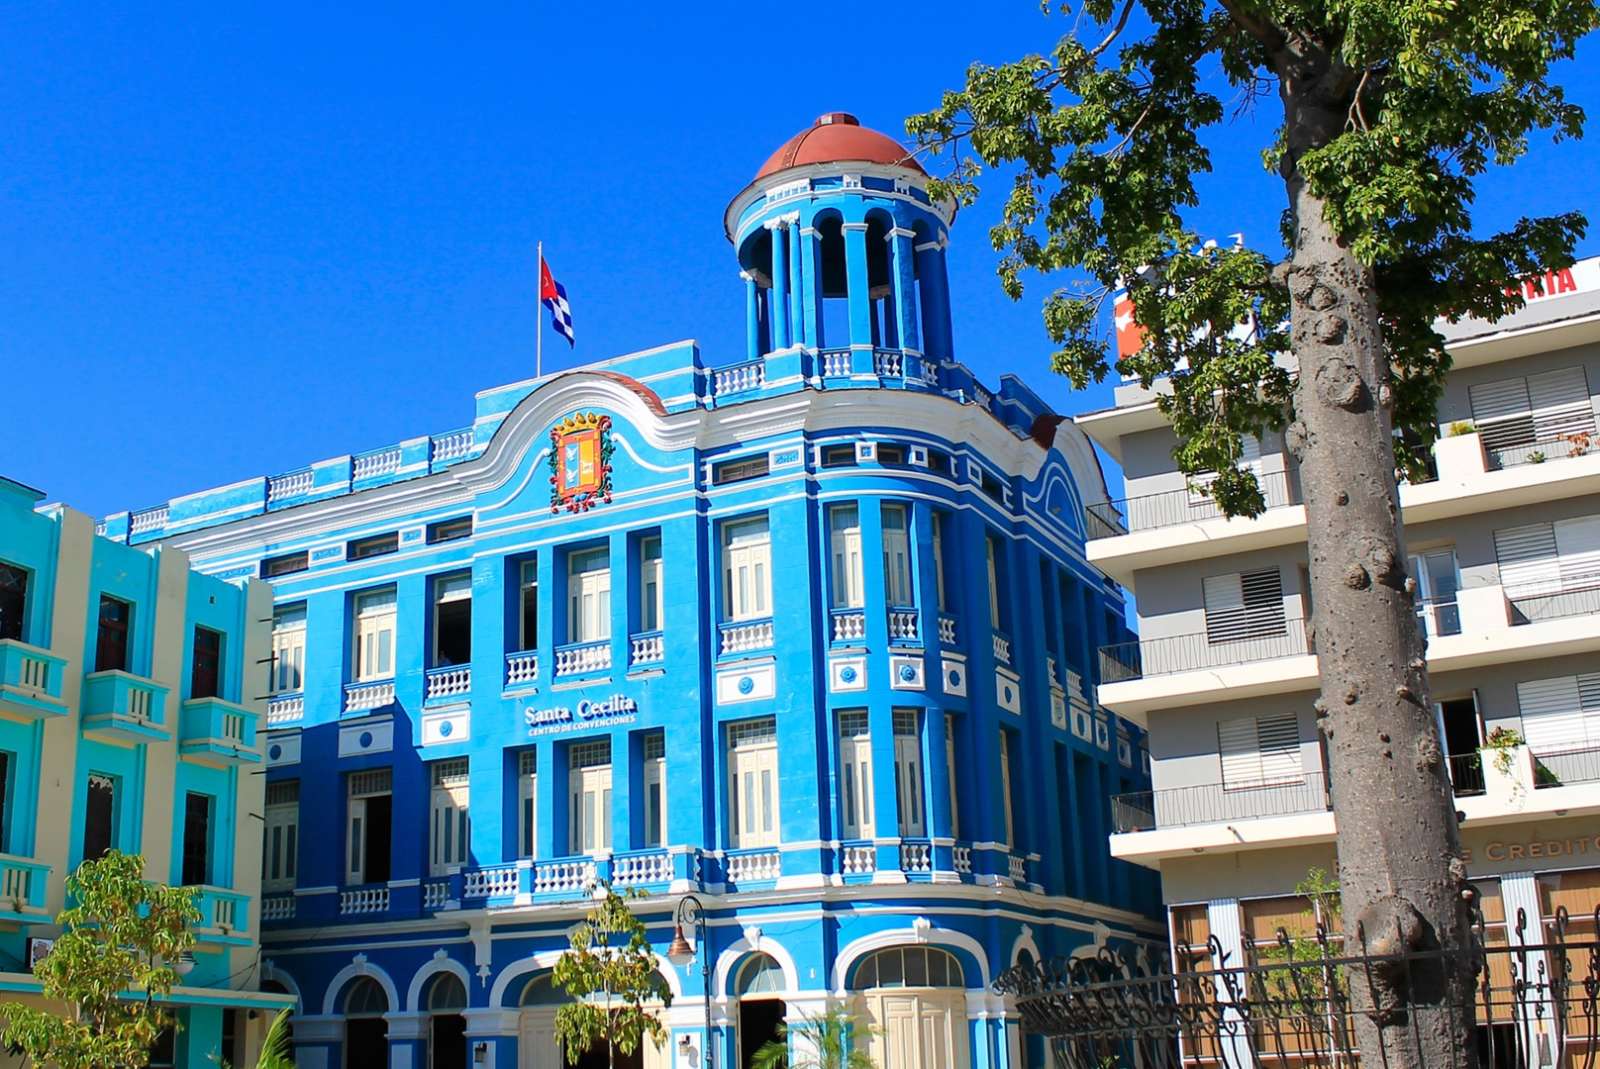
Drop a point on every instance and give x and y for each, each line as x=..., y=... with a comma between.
x=690, y=911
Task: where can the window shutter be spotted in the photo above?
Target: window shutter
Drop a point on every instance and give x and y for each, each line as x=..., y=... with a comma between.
x=1552, y=713
x=1242, y=606
x=1578, y=547
x=1527, y=558
x=1560, y=403
x=1500, y=412
x=1260, y=751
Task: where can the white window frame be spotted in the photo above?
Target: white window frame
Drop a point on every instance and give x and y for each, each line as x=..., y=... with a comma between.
x=589, y=799
x=447, y=589
x=653, y=781
x=288, y=650
x=753, y=784
x=898, y=584
x=528, y=803
x=992, y=565
x=280, y=836
x=589, y=595
x=1560, y=714
x=651, y=597
x=1260, y=751
x=909, y=782
x=374, y=783
x=747, y=569
x=938, y=523
x=855, y=775
x=950, y=774
x=528, y=583
x=373, y=633
x=1244, y=606
x=449, y=822
x=1008, y=839
x=844, y=549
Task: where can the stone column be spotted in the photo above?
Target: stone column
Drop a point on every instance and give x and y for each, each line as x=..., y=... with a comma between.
x=936, y=341
x=494, y=1029
x=752, y=316
x=408, y=1040
x=797, y=335
x=860, y=301
x=779, y=306
x=811, y=286
x=902, y=275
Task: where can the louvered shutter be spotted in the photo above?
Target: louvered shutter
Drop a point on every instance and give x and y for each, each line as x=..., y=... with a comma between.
x=1249, y=460
x=1528, y=560
x=1500, y=411
x=1560, y=403
x=1578, y=546
x=1552, y=713
x=1260, y=751
x=1240, y=606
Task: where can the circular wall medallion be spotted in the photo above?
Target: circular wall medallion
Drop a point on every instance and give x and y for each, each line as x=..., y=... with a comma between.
x=848, y=673
x=907, y=673
x=275, y=751
x=746, y=684
x=365, y=740
x=445, y=729
x=954, y=677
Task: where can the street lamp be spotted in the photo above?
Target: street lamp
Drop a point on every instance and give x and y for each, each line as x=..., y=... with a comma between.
x=682, y=955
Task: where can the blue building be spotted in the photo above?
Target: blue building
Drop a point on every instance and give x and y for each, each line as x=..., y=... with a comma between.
x=806, y=634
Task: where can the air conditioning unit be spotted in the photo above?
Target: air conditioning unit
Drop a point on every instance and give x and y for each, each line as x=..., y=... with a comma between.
x=37, y=949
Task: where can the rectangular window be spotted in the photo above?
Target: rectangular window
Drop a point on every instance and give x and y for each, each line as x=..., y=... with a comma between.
x=1549, y=558
x=892, y=454
x=205, y=676
x=844, y=540
x=1537, y=408
x=589, y=595
x=839, y=456
x=908, y=778
x=528, y=628
x=452, y=619
x=991, y=559
x=938, y=560
x=735, y=471
x=450, y=530
x=1243, y=605
x=753, y=782
x=1560, y=715
x=950, y=773
x=280, y=840
x=992, y=487
x=374, y=635
x=13, y=601
x=111, y=639
x=1437, y=583
x=527, y=802
x=855, y=775
x=371, y=812
x=285, y=564
x=746, y=570
x=196, y=839
x=939, y=461
x=650, y=591
x=1260, y=751
x=1009, y=825
x=448, y=826
x=288, y=649
x=589, y=805
x=99, y=816
x=897, y=556
x=374, y=546
x=653, y=778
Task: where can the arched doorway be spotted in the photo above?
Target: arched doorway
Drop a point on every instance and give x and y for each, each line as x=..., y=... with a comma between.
x=914, y=999
x=537, y=1047
x=366, y=1033
x=761, y=1011
x=447, y=1027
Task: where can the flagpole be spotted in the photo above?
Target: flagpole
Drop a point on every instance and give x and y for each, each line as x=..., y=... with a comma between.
x=538, y=317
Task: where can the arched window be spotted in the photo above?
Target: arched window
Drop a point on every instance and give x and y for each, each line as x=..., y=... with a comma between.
x=446, y=994
x=759, y=975
x=541, y=991
x=908, y=967
x=365, y=998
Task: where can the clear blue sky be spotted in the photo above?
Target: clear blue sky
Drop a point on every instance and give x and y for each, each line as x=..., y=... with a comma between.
x=238, y=241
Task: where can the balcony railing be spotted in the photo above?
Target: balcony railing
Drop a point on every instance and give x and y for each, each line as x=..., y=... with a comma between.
x=1170, y=508
x=212, y=730
x=364, y=900
x=847, y=625
x=739, y=378
x=492, y=881
x=947, y=629
x=277, y=907
x=1466, y=774
x=903, y=625
x=30, y=679
x=754, y=866
x=222, y=910
x=1211, y=803
x=522, y=668
x=1194, y=652
x=23, y=883
x=857, y=859
x=743, y=636
x=563, y=877
x=285, y=709
x=1554, y=447
x=1564, y=767
x=1579, y=597
x=645, y=868
x=1439, y=616
x=582, y=658
x=646, y=647
x=835, y=363
x=365, y=697
x=125, y=704
x=1002, y=648
x=447, y=681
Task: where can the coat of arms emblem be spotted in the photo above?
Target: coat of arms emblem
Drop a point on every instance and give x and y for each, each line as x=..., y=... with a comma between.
x=580, y=462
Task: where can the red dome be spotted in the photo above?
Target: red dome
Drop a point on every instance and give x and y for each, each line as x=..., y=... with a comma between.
x=838, y=137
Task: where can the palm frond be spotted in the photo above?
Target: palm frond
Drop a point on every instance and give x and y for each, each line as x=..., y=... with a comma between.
x=276, y=1050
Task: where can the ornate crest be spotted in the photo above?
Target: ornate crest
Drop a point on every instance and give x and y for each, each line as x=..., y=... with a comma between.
x=580, y=462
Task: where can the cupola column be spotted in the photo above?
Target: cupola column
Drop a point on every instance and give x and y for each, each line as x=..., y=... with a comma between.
x=811, y=287
x=796, y=285
x=936, y=341
x=905, y=288
x=860, y=301
x=752, y=316
x=779, y=307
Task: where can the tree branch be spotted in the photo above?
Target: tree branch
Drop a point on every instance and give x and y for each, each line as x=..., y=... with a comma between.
x=1270, y=36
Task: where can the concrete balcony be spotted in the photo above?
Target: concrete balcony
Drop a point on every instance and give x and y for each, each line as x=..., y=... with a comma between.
x=583, y=659
x=23, y=885
x=30, y=682
x=522, y=669
x=447, y=683
x=214, y=732
x=369, y=696
x=646, y=649
x=122, y=708
x=286, y=709
x=224, y=918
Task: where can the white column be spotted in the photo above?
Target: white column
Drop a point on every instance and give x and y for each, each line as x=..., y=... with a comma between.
x=1222, y=916
x=1520, y=890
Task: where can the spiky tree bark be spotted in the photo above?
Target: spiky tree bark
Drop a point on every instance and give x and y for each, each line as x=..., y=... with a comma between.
x=1391, y=109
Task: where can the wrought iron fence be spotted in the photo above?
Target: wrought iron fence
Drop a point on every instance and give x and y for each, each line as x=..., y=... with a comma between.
x=1296, y=1006
x=1208, y=803
x=1581, y=598
x=1168, y=654
x=1169, y=508
x=1560, y=768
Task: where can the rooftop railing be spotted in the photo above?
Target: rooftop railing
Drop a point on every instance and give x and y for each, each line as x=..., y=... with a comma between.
x=1212, y=803
x=1195, y=652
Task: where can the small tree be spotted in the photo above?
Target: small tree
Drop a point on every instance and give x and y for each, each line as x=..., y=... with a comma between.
x=821, y=1042
x=110, y=967
x=611, y=973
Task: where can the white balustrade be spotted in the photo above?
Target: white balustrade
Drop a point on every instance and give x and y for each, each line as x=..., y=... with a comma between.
x=916, y=857
x=962, y=858
x=930, y=372
x=1002, y=648
x=756, y=635
x=888, y=363
x=292, y=484
x=1051, y=672
x=631, y=870
x=451, y=446
x=858, y=860
x=277, y=907
x=849, y=626
x=589, y=657
x=1019, y=870
x=147, y=520
x=497, y=882
x=359, y=697
x=835, y=365
x=435, y=893
x=139, y=703
x=365, y=900
x=646, y=649
x=947, y=629
x=757, y=865
x=285, y=709
x=448, y=682
x=521, y=668
x=380, y=462
x=750, y=376
x=903, y=624
x=553, y=877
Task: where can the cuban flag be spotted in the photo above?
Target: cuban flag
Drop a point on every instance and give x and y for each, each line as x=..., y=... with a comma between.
x=554, y=297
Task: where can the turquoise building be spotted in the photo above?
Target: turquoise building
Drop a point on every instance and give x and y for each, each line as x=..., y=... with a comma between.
x=806, y=634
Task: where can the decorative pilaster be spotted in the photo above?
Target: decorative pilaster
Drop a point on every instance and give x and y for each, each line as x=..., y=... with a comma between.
x=903, y=275
x=796, y=287
x=860, y=301
x=779, y=306
x=752, y=316
x=811, y=287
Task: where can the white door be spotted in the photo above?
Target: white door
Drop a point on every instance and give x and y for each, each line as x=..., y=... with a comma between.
x=855, y=783
x=753, y=795
x=908, y=784
x=589, y=597
x=447, y=829
x=591, y=809
x=921, y=1030
x=536, y=1043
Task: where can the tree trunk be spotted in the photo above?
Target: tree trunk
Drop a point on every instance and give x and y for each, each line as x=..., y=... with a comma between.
x=1400, y=869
